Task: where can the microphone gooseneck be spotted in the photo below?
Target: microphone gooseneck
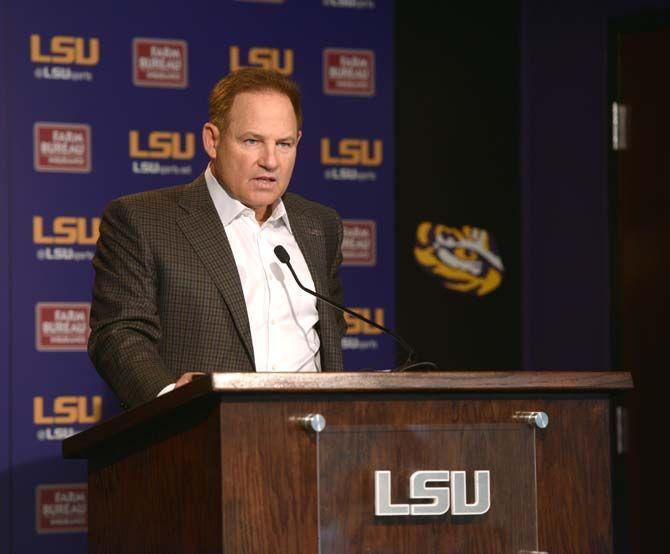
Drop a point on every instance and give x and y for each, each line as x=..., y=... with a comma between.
x=283, y=257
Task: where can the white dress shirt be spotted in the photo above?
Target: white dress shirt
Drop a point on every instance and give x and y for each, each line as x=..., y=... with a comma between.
x=281, y=315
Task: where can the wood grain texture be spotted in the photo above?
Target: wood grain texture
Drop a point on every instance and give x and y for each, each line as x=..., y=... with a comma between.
x=159, y=489
x=231, y=470
x=270, y=484
x=79, y=445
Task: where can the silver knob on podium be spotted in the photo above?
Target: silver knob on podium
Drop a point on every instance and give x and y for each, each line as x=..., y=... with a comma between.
x=314, y=423
x=539, y=419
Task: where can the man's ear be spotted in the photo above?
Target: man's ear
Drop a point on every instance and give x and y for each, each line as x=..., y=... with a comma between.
x=299, y=137
x=211, y=136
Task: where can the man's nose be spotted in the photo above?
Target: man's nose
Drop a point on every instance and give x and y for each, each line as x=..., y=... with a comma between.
x=268, y=159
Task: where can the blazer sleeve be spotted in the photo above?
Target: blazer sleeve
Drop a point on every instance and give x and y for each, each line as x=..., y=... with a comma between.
x=334, y=281
x=125, y=324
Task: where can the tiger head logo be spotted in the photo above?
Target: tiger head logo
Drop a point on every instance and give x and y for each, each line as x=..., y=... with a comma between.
x=465, y=258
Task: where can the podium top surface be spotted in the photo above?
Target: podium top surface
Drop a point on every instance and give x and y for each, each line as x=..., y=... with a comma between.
x=236, y=384
x=443, y=381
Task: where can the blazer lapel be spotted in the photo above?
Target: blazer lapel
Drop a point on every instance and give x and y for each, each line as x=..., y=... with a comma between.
x=202, y=227
x=311, y=241
x=309, y=235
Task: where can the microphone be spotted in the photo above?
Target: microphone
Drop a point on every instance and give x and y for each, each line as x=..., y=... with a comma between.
x=283, y=257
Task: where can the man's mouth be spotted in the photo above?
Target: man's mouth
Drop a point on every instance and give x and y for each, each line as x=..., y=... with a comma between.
x=264, y=180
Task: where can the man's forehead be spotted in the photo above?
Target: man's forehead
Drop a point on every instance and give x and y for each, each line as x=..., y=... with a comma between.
x=264, y=108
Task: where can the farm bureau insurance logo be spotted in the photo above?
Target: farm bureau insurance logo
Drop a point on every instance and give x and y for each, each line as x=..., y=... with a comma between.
x=263, y=57
x=466, y=259
x=154, y=152
x=62, y=327
x=160, y=62
x=359, y=243
x=60, y=53
x=59, y=238
x=63, y=416
x=348, y=72
x=351, y=159
x=359, y=333
x=62, y=147
x=61, y=508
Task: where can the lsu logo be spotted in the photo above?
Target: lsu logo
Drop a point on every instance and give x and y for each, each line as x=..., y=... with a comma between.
x=162, y=145
x=67, y=409
x=66, y=230
x=267, y=58
x=353, y=151
x=464, y=258
x=356, y=326
x=65, y=50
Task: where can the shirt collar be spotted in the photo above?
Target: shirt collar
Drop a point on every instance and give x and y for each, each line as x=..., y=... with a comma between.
x=230, y=208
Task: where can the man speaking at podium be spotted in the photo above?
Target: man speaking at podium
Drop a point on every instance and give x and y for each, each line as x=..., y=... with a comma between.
x=186, y=279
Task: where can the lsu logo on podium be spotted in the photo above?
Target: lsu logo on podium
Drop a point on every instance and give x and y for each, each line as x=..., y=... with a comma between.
x=67, y=410
x=83, y=231
x=353, y=152
x=65, y=50
x=266, y=58
x=162, y=145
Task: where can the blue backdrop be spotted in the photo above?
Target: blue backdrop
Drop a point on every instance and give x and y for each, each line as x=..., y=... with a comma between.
x=105, y=99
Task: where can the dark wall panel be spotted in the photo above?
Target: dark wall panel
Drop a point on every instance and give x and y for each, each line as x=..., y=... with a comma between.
x=458, y=164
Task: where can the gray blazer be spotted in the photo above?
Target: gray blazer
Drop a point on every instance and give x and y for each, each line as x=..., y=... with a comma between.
x=167, y=296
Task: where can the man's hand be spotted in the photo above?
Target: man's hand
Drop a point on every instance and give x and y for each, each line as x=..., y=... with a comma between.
x=187, y=378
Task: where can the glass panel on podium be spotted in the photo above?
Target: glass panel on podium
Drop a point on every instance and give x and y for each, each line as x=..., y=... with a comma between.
x=461, y=489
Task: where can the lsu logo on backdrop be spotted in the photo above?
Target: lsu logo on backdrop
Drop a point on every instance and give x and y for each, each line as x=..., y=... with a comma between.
x=150, y=151
x=348, y=72
x=358, y=330
x=60, y=238
x=61, y=508
x=60, y=53
x=63, y=416
x=70, y=410
x=351, y=159
x=62, y=327
x=465, y=259
x=160, y=62
x=359, y=243
x=62, y=147
x=266, y=58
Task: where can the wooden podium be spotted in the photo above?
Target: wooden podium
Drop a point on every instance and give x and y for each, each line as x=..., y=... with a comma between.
x=232, y=463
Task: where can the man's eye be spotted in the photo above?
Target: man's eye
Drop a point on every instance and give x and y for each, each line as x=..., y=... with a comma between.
x=251, y=141
x=284, y=145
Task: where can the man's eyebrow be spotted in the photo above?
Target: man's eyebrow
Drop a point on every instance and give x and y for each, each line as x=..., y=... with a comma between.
x=252, y=134
x=259, y=136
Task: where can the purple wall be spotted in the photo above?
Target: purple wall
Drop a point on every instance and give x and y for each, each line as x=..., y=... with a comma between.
x=565, y=187
x=4, y=295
